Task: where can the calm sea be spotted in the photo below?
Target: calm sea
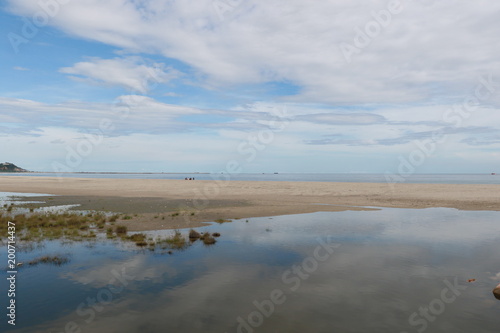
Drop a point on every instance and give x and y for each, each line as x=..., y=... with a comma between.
x=308, y=177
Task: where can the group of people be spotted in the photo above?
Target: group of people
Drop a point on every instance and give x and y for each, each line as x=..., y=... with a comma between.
x=189, y=178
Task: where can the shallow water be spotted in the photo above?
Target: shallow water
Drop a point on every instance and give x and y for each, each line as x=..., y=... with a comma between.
x=392, y=270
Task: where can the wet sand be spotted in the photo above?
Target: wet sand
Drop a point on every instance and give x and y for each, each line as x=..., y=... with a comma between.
x=166, y=204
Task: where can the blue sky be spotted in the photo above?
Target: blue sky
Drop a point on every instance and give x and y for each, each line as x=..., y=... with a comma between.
x=167, y=86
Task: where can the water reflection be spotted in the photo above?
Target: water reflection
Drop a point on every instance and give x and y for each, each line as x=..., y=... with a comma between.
x=391, y=270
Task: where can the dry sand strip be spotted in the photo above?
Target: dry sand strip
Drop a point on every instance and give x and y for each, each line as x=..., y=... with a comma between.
x=201, y=200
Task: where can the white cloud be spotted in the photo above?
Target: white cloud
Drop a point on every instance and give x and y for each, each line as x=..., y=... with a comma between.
x=129, y=114
x=131, y=73
x=429, y=50
x=19, y=68
x=178, y=137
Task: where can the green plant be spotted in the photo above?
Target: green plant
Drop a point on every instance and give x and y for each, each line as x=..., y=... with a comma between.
x=208, y=239
x=113, y=218
x=137, y=237
x=222, y=220
x=176, y=241
x=121, y=230
x=194, y=235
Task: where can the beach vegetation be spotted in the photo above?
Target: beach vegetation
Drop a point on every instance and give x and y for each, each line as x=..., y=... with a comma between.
x=222, y=221
x=208, y=239
x=176, y=241
x=194, y=235
x=114, y=217
x=34, y=228
x=121, y=230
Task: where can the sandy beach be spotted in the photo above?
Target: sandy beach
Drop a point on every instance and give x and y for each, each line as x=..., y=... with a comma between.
x=193, y=202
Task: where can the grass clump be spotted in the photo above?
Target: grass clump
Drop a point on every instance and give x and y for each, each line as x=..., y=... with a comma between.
x=208, y=239
x=113, y=218
x=109, y=233
x=176, y=241
x=48, y=225
x=121, y=230
x=222, y=221
x=139, y=239
x=194, y=235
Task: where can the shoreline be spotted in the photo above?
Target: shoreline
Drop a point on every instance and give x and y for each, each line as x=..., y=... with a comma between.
x=195, y=202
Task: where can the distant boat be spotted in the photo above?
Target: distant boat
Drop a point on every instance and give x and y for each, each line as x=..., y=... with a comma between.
x=493, y=173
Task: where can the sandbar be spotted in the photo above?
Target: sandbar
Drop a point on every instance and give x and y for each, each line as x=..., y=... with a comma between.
x=167, y=204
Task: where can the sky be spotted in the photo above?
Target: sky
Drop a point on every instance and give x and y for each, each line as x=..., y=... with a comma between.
x=335, y=86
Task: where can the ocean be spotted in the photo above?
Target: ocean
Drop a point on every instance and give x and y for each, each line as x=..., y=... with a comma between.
x=303, y=177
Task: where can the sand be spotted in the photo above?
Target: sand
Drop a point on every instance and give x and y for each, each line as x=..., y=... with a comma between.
x=192, y=202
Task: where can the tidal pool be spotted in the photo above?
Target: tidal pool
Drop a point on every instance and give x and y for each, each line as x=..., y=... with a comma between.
x=391, y=270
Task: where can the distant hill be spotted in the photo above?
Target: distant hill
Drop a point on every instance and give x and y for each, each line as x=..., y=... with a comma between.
x=9, y=167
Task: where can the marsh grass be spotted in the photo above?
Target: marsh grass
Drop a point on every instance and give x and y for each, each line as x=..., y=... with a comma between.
x=137, y=237
x=208, y=239
x=34, y=228
x=113, y=218
x=176, y=241
x=194, y=235
x=48, y=225
x=222, y=221
x=121, y=230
